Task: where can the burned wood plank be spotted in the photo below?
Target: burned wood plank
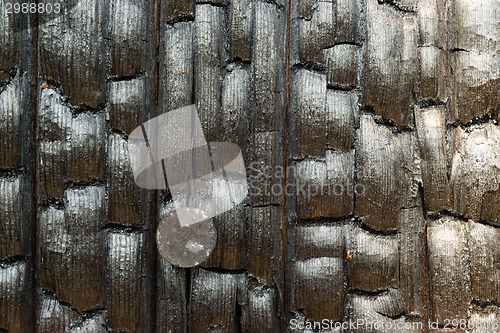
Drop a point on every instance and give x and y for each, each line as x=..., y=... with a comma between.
x=259, y=315
x=347, y=20
x=56, y=317
x=309, y=114
x=178, y=9
x=263, y=244
x=14, y=225
x=209, y=60
x=476, y=84
x=383, y=174
x=128, y=204
x=14, y=118
x=240, y=29
x=316, y=241
x=431, y=133
x=484, y=247
x=128, y=298
x=325, y=189
x=432, y=72
x=388, y=85
x=85, y=147
x=54, y=120
x=16, y=39
x=374, y=261
x=316, y=33
x=411, y=242
x=76, y=58
x=171, y=301
x=15, y=297
x=266, y=169
x=235, y=108
x=450, y=286
x=319, y=288
x=177, y=66
x=127, y=104
x=214, y=302
x=130, y=26
x=342, y=117
x=267, y=68
x=342, y=65
x=72, y=244
x=475, y=173
x=230, y=253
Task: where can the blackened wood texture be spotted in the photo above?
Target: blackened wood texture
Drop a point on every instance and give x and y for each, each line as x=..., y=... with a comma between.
x=16, y=173
x=370, y=135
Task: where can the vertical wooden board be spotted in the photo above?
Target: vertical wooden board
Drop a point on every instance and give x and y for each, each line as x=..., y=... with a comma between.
x=450, y=286
x=263, y=243
x=230, y=253
x=14, y=225
x=128, y=204
x=128, y=298
x=235, y=108
x=176, y=66
x=411, y=239
x=266, y=169
x=214, y=302
x=342, y=65
x=209, y=60
x=14, y=117
x=476, y=25
x=72, y=243
x=388, y=85
x=325, y=189
x=76, y=58
x=15, y=43
x=171, y=298
x=382, y=173
x=267, y=68
x=131, y=40
x=126, y=104
x=346, y=21
x=484, y=246
x=432, y=72
x=429, y=22
x=309, y=114
x=316, y=241
x=316, y=33
x=340, y=182
x=475, y=172
x=53, y=122
x=259, y=314
x=476, y=83
x=319, y=288
x=54, y=316
x=341, y=108
x=430, y=125
x=177, y=9
x=240, y=29
x=15, y=298
x=85, y=147
x=374, y=261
